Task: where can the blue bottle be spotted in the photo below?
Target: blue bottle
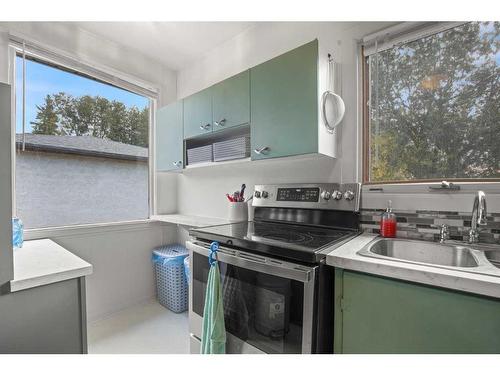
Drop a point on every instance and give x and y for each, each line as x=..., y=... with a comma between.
x=17, y=233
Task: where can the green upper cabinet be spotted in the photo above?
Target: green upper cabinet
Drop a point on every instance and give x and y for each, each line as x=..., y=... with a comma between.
x=198, y=113
x=169, y=138
x=284, y=104
x=231, y=102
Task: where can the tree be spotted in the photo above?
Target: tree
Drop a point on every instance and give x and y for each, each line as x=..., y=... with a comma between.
x=46, y=118
x=435, y=104
x=64, y=114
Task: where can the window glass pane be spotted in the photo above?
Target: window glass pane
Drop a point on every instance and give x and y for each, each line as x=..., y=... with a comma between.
x=435, y=106
x=85, y=157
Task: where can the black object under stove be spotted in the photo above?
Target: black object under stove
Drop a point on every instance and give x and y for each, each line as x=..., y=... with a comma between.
x=287, y=240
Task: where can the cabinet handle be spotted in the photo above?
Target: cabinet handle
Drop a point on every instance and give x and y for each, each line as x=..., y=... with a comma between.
x=205, y=127
x=220, y=123
x=177, y=163
x=262, y=150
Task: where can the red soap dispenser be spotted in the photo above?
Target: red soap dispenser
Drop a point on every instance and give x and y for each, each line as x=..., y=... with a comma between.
x=388, y=222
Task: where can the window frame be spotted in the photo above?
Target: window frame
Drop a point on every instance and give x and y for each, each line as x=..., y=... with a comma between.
x=393, y=36
x=70, y=64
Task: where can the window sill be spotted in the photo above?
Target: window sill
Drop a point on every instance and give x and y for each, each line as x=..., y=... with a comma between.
x=418, y=196
x=423, y=187
x=87, y=229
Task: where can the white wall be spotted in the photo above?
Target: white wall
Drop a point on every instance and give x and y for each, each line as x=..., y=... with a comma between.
x=166, y=193
x=55, y=189
x=202, y=191
x=89, y=48
x=121, y=258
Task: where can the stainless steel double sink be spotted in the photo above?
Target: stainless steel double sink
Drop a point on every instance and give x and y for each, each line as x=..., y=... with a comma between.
x=476, y=258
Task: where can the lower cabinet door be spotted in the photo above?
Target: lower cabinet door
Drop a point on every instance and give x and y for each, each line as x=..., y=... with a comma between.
x=382, y=315
x=49, y=319
x=169, y=138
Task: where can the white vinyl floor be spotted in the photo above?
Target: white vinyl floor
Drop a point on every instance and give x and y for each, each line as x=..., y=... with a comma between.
x=148, y=328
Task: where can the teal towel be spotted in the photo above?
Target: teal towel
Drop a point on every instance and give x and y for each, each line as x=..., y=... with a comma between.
x=213, y=338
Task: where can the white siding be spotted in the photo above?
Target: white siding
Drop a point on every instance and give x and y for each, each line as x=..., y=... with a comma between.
x=57, y=189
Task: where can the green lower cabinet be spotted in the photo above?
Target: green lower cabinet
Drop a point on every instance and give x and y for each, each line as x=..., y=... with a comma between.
x=169, y=138
x=381, y=315
x=231, y=102
x=284, y=104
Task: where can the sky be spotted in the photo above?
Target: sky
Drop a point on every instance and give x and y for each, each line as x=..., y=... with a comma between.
x=42, y=80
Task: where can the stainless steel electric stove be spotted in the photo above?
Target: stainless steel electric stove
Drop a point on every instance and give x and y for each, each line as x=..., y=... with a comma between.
x=278, y=291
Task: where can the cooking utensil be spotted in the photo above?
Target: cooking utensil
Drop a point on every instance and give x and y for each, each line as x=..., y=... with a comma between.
x=332, y=105
x=236, y=196
x=242, y=192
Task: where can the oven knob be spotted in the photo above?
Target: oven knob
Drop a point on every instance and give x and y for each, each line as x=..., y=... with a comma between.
x=265, y=194
x=326, y=195
x=256, y=194
x=337, y=195
x=349, y=195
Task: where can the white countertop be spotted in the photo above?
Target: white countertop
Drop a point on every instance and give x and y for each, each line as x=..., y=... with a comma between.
x=346, y=257
x=41, y=262
x=189, y=220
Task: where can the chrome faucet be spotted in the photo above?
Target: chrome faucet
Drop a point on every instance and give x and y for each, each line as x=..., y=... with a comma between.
x=478, y=216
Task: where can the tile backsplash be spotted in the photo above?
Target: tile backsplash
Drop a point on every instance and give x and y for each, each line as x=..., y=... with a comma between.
x=426, y=224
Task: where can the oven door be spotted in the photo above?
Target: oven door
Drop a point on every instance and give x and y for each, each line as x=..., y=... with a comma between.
x=268, y=303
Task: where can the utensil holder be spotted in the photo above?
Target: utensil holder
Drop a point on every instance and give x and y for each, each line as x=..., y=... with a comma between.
x=237, y=211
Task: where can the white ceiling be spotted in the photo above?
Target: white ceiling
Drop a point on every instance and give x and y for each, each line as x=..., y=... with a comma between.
x=175, y=44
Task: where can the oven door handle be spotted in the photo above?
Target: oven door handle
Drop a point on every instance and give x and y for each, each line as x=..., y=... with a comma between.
x=257, y=263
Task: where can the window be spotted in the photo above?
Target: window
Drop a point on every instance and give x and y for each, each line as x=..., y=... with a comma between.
x=433, y=108
x=82, y=150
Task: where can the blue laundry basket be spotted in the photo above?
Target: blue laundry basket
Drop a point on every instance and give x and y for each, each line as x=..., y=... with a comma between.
x=171, y=283
x=186, y=268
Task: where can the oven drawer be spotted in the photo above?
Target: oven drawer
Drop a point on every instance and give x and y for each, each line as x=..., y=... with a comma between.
x=268, y=303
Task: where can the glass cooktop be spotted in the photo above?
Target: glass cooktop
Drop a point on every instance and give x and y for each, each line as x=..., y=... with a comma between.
x=289, y=241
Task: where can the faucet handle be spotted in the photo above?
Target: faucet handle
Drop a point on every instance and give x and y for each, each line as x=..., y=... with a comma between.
x=444, y=232
x=473, y=235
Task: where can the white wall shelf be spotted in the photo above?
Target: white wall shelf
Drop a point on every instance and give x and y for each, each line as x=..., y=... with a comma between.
x=190, y=220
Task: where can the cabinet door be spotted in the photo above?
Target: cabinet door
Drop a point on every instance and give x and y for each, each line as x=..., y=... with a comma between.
x=231, y=102
x=49, y=319
x=169, y=138
x=284, y=104
x=198, y=113
x=381, y=315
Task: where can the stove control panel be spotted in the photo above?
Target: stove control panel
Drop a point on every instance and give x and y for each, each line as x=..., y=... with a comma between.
x=298, y=194
x=312, y=196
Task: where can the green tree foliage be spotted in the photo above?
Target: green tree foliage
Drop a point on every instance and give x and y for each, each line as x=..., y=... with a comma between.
x=64, y=114
x=435, y=106
x=46, y=118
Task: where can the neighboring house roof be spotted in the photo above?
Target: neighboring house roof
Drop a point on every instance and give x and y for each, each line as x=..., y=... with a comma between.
x=82, y=145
